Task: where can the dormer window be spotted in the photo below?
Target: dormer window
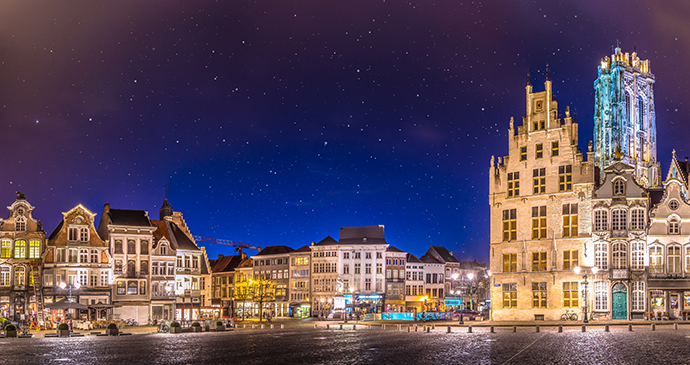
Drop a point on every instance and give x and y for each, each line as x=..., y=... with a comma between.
x=619, y=187
x=20, y=224
x=80, y=234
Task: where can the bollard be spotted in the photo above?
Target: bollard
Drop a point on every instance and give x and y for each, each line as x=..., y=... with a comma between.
x=399, y=327
x=514, y=328
x=245, y=326
x=606, y=328
x=253, y=326
x=560, y=329
x=492, y=329
x=282, y=326
x=675, y=326
x=341, y=326
x=427, y=329
x=369, y=327
x=271, y=326
x=314, y=326
x=537, y=329
x=448, y=330
x=328, y=326
x=415, y=328
x=469, y=329
x=383, y=327
x=433, y=326
x=354, y=326
x=653, y=327
x=630, y=327
x=584, y=328
x=408, y=329
x=262, y=326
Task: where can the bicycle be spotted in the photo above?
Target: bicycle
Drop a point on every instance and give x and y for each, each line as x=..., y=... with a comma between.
x=569, y=315
x=163, y=327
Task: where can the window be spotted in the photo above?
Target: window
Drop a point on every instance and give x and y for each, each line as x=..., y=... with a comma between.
x=638, y=296
x=570, y=259
x=673, y=226
x=144, y=267
x=358, y=255
x=619, y=187
x=83, y=277
x=379, y=268
x=540, y=124
x=118, y=266
x=164, y=250
x=142, y=288
x=121, y=288
x=554, y=148
x=94, y=256
x=379, y=255
x=539, y=261
x=73, y=255
x=34, y=249
x=84, y=234
x=601, y=255
x=73, y=233
x=509, y=295
x=367, y=284
x=565, y=178
x=538, y=295
x=656, y=260
x=619, y=256
x=20, y=224
x=523, y=153
x=358, y=268
x=104, y=278
x=144, y=247
x=5, y=276
x=539, y=222
x=19, y=249
x=637, y=255
x=131, y=247
x=601, y=220
x=346, y=269
x=570, y=295
x=601, y=296
x=367, y=268
x=346, y=255
x=510, y=225
x=19, y=276
x=131, y=267
x=367, y=255
x=118, y=246
x=570, y=220
x=6, y=249
x=673, y=204
x=513, y=184
x=618, y=219
x=637, y=219
x=539, y=180
x=132, y=288
x=673, y=262
x=94, y=279
x=539, y=150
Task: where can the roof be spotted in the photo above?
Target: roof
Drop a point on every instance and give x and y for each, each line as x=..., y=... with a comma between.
x=56, y=230
x=655, y=196
x=225, y=263
x=304, y=248
x=394, y=249
x=275, y=250
x=128, y=217
x=246, y=263
x=328, y=241
x=412, y=258
x=181, y=239
x=362, y=235
x=444, y=253
x=473, y=265
x=160, y=233
x=428, y=259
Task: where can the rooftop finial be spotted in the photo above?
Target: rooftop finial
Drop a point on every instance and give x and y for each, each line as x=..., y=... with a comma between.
x=548, y=73
x=166, y=190
x=529, y=79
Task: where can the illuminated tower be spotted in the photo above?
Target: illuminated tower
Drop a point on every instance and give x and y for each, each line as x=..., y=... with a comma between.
x=624, y=116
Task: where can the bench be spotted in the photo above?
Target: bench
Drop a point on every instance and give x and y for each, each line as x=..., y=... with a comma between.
x=538, y=317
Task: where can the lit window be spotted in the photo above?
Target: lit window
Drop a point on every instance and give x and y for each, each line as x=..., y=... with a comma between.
x=509, y=295
x=656, y=260
x=513, y=184
x=19, y=249
x=19, y=276
x=601, y=220
x=565, y=178
x=570, y=295
x=539, y=222
x=538, y=295
x=637, y=255
x=570, y=220
x=601, y=296
x=510, y=262
x=601, y=255
x=34, y=249
x=570, y=259
x=673, y=253
x=638, y=296
x=619, y=256
x=539, y=180
x=6, y=249
x=538, y=261
x=510, y=225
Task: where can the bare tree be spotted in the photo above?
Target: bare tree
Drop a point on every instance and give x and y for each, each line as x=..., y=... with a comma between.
x=262, y=291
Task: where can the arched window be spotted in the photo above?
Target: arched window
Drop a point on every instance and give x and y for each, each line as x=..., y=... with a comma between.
x=131, y=267
x=601, y=255
x=19, y=276
x=673, y=260
x=656, y=259
x=20, y=224
x=618, y=187
x=131, y=247
x=620, y=256
x=673, y=225
x=6, y=249
x=637, y=219
x=637, y=255
x=601, y=220
x=619, y=219
x=638, y=296
x=34, y=249
x=19, y=249
x=4, y=276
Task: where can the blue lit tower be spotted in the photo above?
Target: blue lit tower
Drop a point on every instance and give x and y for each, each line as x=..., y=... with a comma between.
x=624, y=117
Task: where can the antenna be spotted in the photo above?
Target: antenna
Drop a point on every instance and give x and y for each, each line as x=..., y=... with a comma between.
x=166, y=191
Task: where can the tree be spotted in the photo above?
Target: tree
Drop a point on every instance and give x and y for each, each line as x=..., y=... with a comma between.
x=262, y=291
x=242, y=293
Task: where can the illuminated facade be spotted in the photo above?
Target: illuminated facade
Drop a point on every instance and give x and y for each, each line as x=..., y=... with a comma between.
x=624, y=116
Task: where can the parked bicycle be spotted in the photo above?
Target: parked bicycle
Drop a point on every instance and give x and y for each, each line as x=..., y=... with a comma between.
x=569, y=315
x=164, y=327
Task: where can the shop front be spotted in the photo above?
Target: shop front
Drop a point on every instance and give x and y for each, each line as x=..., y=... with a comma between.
x=211, y=312
x=162, y=310
x=669, y=299
x=187, y=311
x=368, y=303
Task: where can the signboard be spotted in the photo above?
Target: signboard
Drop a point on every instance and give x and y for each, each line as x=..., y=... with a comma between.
x=498, y=285
x=369, y=296
x=453, y=302
x=339, y=302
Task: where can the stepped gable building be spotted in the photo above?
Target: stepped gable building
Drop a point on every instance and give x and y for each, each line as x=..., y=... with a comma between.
x=540, y=199
x=625, y=118
x=129, y=234
x=22, y=241
x=299, y=288
x=76, y=254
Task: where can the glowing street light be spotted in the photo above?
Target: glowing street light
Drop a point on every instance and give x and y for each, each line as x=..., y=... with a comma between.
x=577, y=271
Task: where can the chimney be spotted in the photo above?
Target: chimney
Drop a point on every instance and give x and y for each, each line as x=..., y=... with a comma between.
x=106, y=208
x=312, y=243
x=220, y=256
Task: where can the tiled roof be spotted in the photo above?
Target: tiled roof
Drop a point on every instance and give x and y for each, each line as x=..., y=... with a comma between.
x=394, y=249
x=362, y=235
x=328, y=241
x=160, y=233
x=275, y=250
x=428, y=259
x=444, y=253
x=246, y=263
x=128, y=217
x=225, y=263
x=412, y=258
x=181, y=239
x=303, y=249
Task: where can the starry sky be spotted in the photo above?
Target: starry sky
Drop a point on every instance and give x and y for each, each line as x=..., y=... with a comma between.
x=278, y=122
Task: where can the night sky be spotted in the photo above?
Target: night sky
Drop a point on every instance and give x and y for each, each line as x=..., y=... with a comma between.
x=278, y=122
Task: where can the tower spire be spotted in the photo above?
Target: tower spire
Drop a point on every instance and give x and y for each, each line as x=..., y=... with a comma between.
x=548, y=73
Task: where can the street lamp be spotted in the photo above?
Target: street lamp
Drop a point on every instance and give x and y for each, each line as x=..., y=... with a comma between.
x=471, y=276
x=594, y=271
x=76, y=286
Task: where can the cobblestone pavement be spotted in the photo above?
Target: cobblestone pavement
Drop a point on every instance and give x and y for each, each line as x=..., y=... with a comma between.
x=306, y=345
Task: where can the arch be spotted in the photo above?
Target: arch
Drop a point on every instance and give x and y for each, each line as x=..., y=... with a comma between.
x=618, y=186
x=20, y=224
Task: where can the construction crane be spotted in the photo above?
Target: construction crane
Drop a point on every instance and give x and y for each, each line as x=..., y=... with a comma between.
x=238, y=245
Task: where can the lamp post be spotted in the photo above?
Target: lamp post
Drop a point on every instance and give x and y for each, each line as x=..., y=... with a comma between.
x=470, y=276
x=594, y=271
x=455, y=284
x=70, y=287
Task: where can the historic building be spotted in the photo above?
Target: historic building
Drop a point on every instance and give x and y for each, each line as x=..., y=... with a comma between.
x=540, y=199
x=223, y=282
x=625, y=118
x=414, y=284
x=434, y=283
x=299, y=288
x=163, y=269
x=272, y=265
x=77, y=266
x=450, y=263
x=395, y=279
x=22, y=241
x=129, y=234
x=244, y=276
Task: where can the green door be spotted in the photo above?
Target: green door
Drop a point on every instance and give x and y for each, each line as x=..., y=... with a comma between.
x=620, y=302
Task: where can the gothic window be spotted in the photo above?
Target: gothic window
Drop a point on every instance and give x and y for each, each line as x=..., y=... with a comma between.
x=619, y=256
x=656, y=259
x=673, y=226
x=618, y=187
x=601, y=220
x=565, y=178
x=640, y=113
x=513, y=184
x=539, y=180
x=637, y=255
x=20, y=224
x=601, y=296
x=638, y=296
x=673, y=259
x=539, y=222
x=601, y=255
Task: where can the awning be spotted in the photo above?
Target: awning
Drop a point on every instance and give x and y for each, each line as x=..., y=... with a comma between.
x=669, y=284
x=65, y=304
x=100, y=306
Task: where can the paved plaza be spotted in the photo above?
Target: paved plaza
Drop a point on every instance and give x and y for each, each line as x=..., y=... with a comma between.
x=301, y=344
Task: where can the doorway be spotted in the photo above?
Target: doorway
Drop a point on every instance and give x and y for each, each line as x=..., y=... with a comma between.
x=620, y=302
x=674, y=304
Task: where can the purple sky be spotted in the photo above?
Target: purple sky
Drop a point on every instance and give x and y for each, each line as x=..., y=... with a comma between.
x=278, y=122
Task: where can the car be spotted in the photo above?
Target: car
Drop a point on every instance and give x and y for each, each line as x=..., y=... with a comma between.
x=467, y=314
